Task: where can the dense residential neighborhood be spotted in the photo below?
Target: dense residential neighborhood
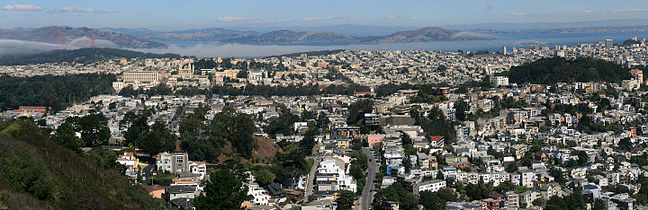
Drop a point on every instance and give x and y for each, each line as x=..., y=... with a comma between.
x=367, y=129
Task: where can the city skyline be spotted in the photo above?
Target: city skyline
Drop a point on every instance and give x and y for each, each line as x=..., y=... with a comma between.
x=170, y=15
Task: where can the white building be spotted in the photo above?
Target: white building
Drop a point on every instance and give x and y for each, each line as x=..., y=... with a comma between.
x=198, y=168
x=431, y=186
x=499, y=81
x=259, y=196
x=332, y=176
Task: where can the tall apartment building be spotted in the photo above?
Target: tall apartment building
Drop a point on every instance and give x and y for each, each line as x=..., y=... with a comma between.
x=173, y=162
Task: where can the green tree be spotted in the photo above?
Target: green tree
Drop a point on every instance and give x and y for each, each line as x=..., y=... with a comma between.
x=394, y=193
x=137, y=127
x=263, y=177
x=461, y=108
x=599, y=204
x=437, y=200
x=512, y=167
x=625, y=144
x=236, y=128
x=539, y=202
x=407, y=164
x=66, y=136
x=357, y=111
x=345, y=199
x=158, y=139
x=223, y=191
x=282, y=125
x=94, y=129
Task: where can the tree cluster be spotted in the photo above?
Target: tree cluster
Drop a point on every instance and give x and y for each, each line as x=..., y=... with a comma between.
x=57, y=92
x=83, y=55
x=93, y=128
x=558, y=69
x=203, y=142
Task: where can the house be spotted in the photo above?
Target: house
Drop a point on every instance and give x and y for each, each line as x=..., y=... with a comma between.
x=180, y=191
x=129, y=160
x=431, y=186
x=458, y=161
x=198, y=167
x=512, y=199
x=529, y=196
x=437, y=141
x=276, y=190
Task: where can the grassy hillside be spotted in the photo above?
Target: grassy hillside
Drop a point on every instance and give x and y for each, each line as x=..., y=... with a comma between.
x=557, y=69
x=36, y=173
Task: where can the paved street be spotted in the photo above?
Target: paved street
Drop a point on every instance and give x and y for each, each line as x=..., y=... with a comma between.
x=367, y=196
x=311, y=178
x=146, y=174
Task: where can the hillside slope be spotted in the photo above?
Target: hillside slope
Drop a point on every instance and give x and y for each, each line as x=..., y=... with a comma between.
x=36, y=173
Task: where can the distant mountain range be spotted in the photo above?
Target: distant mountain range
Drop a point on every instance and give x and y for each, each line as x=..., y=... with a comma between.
x=306, y=35
x=289, y=37
x=144, y=38
x=78, y=37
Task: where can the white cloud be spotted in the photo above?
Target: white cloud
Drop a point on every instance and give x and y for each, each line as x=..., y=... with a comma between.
x=414, y=18
x=516, y=13
x=232, y=18
x=22, y=7
x=250, y=20
x=317, y=18
x=391, y=17
x=328, y=18
x=271, y=20
x=588, y=11
x=81, y=10
x=630, y=10
x=489, y=6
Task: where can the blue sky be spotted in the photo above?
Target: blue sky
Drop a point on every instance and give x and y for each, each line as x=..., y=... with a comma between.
x=179, y=14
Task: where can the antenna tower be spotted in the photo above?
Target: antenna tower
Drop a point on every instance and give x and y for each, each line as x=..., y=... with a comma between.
x=93, y=40
x=59, y=39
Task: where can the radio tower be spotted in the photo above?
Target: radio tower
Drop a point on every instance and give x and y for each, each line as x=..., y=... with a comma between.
x=93, y=40
x=59, y=40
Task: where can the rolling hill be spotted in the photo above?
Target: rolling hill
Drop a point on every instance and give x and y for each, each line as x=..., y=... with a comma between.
x=307, y=37
x=78, y=37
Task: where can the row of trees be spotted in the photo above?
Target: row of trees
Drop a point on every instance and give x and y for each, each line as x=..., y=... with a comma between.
x=290, y=90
